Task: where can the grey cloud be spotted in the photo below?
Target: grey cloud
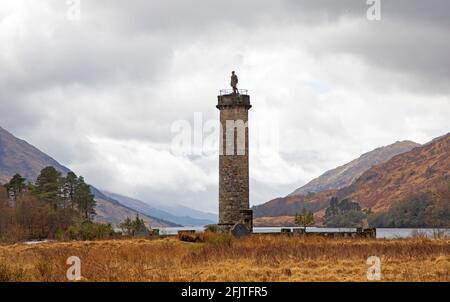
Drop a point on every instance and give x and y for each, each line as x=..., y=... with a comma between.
x=128, y=69
x=411, y=38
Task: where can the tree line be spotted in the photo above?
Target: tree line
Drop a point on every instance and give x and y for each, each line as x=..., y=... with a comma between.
x=59, y=192
x=422, y=209
x=55, y=207
x=43, y=209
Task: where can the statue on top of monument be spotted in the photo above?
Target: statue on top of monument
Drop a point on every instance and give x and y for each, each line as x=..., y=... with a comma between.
x=234, y=81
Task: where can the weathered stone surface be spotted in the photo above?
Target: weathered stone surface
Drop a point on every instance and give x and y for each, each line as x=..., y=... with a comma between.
x=240, y=229
x=224, y=228
x=247, y=218
x=233, y=160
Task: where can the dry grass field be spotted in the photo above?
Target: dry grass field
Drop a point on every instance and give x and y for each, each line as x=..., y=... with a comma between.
x=256, y=258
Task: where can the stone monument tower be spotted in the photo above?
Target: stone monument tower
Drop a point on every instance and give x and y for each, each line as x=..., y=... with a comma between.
x=234, y=212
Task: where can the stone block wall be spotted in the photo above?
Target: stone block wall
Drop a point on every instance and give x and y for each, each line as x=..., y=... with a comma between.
x=233, y=158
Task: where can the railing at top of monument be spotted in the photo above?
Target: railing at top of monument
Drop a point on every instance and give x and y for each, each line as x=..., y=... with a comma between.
x=231, y=91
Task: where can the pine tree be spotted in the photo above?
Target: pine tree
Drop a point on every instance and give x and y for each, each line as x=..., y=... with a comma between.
x=305, y=218
x=48, y=186
x=333, y=209
x=127, y=226
x=15, y=186
x=132, y=227
x=84, y=200
x=70, y=183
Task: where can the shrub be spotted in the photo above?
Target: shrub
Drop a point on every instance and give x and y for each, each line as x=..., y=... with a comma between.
x=189, y=236
x=212, y=228
x=60, y=235
x=134, y=227
x=223, y=239
x=210, y=238
x=90, y=231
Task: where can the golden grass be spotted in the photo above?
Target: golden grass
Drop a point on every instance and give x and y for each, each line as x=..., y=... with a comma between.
x=256, y=258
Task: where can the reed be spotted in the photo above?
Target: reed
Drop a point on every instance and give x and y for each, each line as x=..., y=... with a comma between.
x=254, y=258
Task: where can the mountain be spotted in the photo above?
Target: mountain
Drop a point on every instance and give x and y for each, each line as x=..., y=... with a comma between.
x=113, y=211
x=18, y=156
x=315, y=194
x=180, y=210
x=198, y=218
x=289, y=205
x=424, y=168
x=345, y=175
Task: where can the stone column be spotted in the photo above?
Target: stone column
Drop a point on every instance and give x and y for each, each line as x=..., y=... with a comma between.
x=233, y=160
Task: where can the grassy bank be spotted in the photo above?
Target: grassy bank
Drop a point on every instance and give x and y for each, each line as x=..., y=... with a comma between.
x=256, y=258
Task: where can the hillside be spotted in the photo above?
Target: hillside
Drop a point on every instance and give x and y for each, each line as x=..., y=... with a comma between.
x=289, y=205
x=198, y=219
x=111, y=210
x=344, y=175
x=314, y=195
x=18, y=156
x=426, y=168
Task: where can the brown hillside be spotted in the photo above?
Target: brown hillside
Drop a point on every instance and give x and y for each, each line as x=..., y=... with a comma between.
x=18, y=156
x=277, y=221
x=345, y=175
x=425, y=168
x=289, y=205
x=108, y=212
x=285, y=221
x=314, y=195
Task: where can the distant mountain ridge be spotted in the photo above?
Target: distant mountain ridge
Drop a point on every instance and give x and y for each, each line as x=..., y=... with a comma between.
x=344, y=175
x=423, y=169
x=111, y=210
x=426, y=168
x=314, y=195
x=160, y=212
x=18, y=156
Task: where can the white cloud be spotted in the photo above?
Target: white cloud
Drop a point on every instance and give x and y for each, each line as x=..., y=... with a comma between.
x=135, y=163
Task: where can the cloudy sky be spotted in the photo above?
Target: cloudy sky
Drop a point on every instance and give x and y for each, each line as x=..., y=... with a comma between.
x=101, y=91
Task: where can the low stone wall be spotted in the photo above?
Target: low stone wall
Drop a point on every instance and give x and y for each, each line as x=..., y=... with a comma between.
x=360, y=233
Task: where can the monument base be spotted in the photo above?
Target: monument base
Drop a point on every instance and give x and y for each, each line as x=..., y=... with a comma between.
x=241, y=228
x=237, y=230
x=223, y=228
